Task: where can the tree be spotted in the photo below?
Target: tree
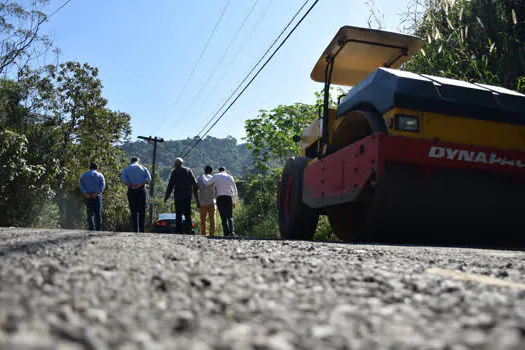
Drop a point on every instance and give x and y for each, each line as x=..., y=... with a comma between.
x=68, y=98
x=257, y=216
x=21, y=181
x=211, y=150
x=474, y=40
x=20, y=32
x=25, y=168
x=270, y=134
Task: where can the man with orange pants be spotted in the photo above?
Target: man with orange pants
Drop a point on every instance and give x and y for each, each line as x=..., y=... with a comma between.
x=206, y=202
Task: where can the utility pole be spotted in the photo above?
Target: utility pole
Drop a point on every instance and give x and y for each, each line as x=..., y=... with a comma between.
x=152, y=187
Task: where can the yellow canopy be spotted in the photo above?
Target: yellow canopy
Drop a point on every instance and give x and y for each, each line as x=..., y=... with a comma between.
x=360, y=51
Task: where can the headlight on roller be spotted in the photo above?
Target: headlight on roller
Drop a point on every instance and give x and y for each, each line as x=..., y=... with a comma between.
x=407, y=123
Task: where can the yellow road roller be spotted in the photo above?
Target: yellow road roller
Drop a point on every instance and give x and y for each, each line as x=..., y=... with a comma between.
x=406, y=156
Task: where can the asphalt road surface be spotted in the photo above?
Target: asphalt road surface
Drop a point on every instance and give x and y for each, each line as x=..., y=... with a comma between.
x=77, y=290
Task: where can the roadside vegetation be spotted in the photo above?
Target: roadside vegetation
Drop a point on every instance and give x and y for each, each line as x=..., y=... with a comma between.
x=53, y=121
x=474, y=40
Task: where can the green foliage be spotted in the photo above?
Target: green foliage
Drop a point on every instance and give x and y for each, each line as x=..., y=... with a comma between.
x=478, y=40
x=211, y=150
x=270, y=134
x=324, y=231
x=25, y=181
x=18, y=206
x=55, y=122
x=69, y=97
x=258, y=216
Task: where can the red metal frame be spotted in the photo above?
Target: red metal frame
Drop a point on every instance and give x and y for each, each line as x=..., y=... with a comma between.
x=340, y=177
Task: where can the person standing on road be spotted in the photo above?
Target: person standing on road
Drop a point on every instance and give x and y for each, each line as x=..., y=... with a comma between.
x=182, y=183
x=92, y=183
x=226, y=198
x=136, y=176
x=206, y=205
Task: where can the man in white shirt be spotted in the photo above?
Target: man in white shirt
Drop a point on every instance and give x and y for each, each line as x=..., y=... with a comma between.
x=226, y=198
x=206, y=201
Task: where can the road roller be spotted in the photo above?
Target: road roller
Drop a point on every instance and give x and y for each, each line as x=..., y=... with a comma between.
x=405, y=156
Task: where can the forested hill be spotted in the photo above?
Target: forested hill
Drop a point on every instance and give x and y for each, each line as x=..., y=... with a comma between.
x=211, y=150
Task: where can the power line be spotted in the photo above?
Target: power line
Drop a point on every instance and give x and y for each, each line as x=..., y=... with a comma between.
x=243, y=45
x=229, y=64
x=223, y=54
x=58, y=9
x=195, y=65
x=255, y=76
x=251, y=71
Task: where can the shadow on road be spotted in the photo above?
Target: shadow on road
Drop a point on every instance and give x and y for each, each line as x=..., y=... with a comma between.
x=393, y=243
x=33, y=246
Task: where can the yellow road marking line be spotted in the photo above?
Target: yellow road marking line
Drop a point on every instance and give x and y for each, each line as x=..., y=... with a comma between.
x=458, y=275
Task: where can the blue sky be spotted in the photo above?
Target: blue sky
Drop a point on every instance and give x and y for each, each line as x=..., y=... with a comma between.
x=145, y=52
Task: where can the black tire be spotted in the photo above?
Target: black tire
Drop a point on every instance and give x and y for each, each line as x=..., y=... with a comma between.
x=296, y=220
x=347, y=220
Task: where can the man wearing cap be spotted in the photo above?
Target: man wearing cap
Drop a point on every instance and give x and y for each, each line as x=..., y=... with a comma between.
x=207, y=196
x=136, y=176
x=182, y=183
x=226, y=198
x=92, y=183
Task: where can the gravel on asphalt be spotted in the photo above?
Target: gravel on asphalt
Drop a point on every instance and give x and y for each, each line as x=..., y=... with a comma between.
x=81, y=290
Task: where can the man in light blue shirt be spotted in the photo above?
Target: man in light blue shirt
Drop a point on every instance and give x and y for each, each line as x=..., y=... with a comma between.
x=136, y=176
x=92, y=183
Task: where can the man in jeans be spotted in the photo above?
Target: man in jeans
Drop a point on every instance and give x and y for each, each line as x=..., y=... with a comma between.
x=136, y=176
x=92, y=183
x=182, y=183
x=206, y=205
x=226, y=198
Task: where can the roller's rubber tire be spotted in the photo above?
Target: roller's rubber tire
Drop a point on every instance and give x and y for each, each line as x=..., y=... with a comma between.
x=296, y=219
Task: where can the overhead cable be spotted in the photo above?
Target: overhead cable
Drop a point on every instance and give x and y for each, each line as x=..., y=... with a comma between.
x=222, y=57
x=230, y=64
x=195, y=65
x=56, y=11
x=255, y=76
x=217, y=111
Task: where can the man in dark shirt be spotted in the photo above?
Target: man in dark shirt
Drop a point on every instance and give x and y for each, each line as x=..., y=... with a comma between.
x=182, y=183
